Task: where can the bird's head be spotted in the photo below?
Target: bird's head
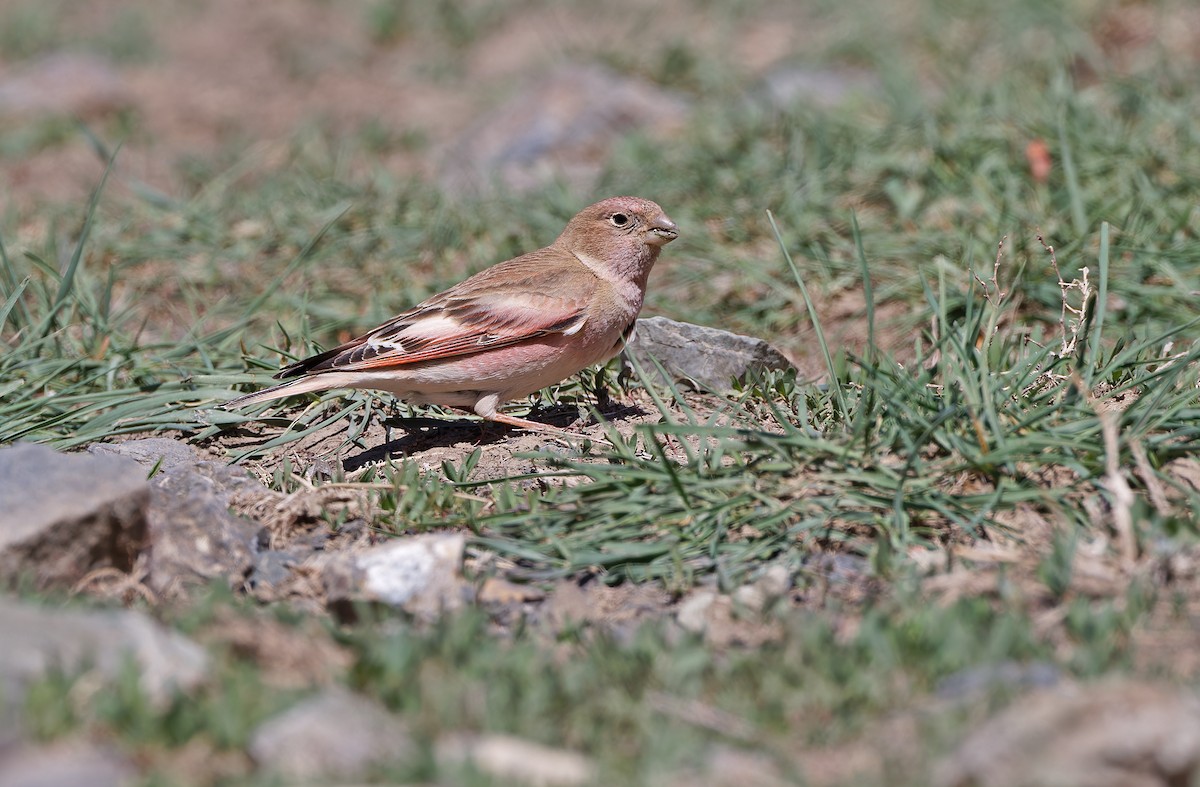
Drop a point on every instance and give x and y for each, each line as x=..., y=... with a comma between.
x=619, y=226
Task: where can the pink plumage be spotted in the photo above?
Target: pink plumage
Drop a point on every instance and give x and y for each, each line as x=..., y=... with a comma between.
x=509, y=330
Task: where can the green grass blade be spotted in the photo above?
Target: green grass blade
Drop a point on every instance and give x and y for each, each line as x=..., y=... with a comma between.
x=813, y=318
x=68, y=279
x=1074, y=192
x=12, y=301
x=1100, y=307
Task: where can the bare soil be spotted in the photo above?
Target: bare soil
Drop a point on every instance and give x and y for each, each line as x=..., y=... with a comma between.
x=222, y=75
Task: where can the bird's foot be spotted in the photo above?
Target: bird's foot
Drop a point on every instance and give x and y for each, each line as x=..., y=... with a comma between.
x=534, y=426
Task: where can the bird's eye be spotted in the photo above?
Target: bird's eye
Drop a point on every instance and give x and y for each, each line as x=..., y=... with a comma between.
x=619, y=219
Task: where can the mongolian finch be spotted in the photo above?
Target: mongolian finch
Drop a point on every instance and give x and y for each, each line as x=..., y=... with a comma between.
x=509, y=330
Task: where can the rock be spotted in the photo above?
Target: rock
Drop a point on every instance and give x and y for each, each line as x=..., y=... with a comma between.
x=64, y=84
x=195, y=538
x=775, y=581
x=421, y=574
x=562, y=126
x=64, y=764
x=63, y=516
x=38, y=640
x=510, y=759
x=791, y=85
x=335, y=733
x=1104, y=735
x=151, y=452
x=771, y=584
x=692, y=613
x=273, y=568
x=1012, y=675
x=703, y=357
x=750, y=597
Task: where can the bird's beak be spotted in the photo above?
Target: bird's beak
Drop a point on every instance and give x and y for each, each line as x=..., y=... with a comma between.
x=662, y=231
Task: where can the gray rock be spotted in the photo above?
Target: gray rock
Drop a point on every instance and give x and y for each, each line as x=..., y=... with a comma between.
x=1013, y=675
x=703, y=357
x=65, y=515
x=64, y=764
x=64, y=84
x=40, y=639
x=1102, y=735
x=509, y=759
x=273, y=567
x=562, y=126
x=195, y=538
x=790, y=85
x=421, y=574
x=151, y=452
x=335, y=733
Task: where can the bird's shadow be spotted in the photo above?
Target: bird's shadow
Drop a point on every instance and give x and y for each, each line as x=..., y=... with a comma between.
x=424, y=434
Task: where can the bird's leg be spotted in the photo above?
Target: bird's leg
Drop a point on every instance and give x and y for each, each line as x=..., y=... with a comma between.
x=534, y=426
x=600, y=391
x=486, y=408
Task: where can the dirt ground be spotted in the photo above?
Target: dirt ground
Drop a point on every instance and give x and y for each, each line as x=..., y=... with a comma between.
x=383, y=435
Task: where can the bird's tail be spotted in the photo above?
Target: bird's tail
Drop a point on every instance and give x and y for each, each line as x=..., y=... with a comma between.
x=302, y=385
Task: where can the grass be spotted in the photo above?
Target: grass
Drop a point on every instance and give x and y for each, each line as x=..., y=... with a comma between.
x=979, y=389
x=883, y=452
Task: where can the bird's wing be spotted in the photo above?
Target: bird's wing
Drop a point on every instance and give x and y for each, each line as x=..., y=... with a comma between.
x=496, y=308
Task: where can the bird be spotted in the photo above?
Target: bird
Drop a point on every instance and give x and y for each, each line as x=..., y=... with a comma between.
x=509, y=330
